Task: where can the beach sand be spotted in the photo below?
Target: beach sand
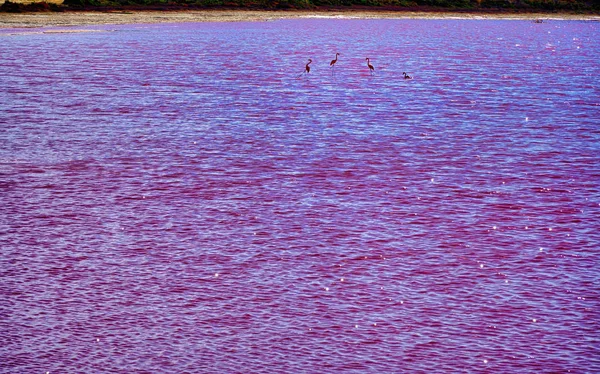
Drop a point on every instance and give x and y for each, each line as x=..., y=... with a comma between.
x=76, y=18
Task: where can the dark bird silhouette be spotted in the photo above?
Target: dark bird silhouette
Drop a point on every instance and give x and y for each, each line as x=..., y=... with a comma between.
x=308, y=67
x=334, y=61
x=406, y=76
x=371, y=68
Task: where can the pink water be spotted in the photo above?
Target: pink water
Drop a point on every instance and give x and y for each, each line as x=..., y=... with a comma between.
x=180, y=199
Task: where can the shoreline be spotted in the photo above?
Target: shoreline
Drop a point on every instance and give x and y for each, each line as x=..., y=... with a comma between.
x=120, y=17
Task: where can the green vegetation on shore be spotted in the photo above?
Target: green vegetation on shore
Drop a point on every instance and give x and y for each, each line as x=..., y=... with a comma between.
x=584, y=6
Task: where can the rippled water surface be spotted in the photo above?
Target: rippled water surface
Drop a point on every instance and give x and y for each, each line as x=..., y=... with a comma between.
x=181, y=198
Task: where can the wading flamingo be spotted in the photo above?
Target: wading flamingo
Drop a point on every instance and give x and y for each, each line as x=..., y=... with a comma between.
x=334, y=61
x=307, y=68
x=371, y=68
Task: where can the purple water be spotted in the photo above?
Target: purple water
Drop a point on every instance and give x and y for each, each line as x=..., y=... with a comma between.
x=181, y=199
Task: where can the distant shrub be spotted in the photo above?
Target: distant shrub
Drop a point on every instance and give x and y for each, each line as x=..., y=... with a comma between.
x=208, y=3
x=10, y=7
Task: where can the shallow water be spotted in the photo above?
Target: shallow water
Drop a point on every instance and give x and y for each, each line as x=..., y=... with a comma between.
x=181, y=198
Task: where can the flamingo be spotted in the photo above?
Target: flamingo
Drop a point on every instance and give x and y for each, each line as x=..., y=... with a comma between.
x=371, y=68
x=308, y=67
x=406, y=76
x=332, y=65
x=334, y=61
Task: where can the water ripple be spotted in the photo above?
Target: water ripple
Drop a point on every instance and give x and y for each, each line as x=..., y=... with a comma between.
x=180, y=198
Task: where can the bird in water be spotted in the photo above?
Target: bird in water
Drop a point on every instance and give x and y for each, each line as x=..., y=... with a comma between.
x=406, y=76
x=307, y=68
x=371, y=68
x=334, y=61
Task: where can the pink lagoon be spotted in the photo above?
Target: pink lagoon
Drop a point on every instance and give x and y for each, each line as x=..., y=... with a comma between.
x=183, y=198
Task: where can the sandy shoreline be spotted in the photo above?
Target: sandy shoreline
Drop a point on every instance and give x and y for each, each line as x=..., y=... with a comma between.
x=33, y=20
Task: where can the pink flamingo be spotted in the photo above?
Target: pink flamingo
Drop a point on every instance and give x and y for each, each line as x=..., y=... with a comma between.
x=371, y=68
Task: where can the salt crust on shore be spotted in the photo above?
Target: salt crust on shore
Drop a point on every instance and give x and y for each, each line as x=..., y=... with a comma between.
x=64, y=19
